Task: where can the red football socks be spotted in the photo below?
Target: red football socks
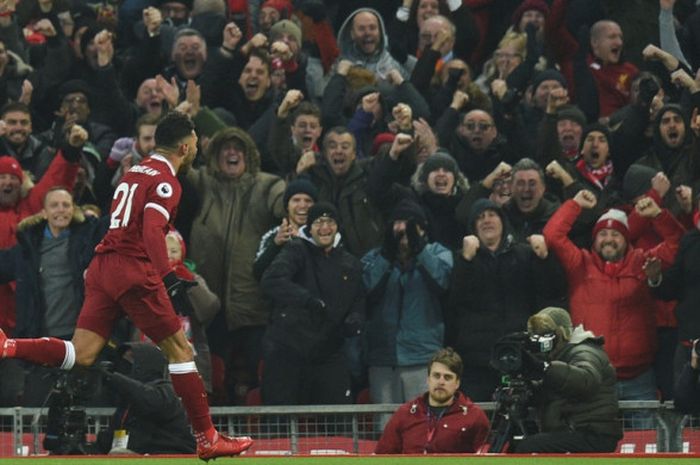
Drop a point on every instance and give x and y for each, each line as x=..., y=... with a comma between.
x=48, y=351
x=190, y=388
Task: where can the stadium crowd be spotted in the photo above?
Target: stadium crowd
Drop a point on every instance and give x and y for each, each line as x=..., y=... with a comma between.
x=375, y=181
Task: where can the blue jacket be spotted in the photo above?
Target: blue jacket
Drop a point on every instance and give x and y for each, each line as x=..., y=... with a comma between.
x=405, y=317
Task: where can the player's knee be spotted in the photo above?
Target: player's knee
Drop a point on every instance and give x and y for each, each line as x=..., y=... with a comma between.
x=84, y=359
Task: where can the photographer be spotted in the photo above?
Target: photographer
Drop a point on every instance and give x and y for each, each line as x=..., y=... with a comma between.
x=150, y=418
x=576, y=402
x=687, y=390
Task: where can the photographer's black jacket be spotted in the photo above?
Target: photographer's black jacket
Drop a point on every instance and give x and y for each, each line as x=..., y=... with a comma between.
x=148, y=408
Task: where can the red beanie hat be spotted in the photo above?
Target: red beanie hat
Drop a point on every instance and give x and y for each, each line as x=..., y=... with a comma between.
x=9, y=165
x=613, y=219
x=283, y=6
x=527, y=5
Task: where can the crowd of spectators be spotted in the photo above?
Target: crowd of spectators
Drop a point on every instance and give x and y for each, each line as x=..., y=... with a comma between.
x=375, y=181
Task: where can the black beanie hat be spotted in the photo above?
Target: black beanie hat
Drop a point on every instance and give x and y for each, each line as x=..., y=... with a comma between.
x=71, y=87
x=439, y=159
x=299, y=186
x=595, y=127
x=408, y=210
x=573, y=113
x=322, y=209
x=479, y=207
x=637, y=181
x=550, y=74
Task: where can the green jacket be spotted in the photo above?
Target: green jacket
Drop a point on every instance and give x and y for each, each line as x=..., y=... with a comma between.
x=578, y=392
x=234, y=214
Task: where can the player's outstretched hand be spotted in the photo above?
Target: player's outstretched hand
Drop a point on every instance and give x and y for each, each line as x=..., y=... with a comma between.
x=177, y=291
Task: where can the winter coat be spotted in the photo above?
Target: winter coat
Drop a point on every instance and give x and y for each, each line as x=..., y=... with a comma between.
x=681, y=282
x=462, y=428
x=494, y=294
x=303, y=273
x=578, y=391
x=234, y=214
x=60, y=173
x=612, y=299
x=361, y=222
x=405, y=317
x=23, y=263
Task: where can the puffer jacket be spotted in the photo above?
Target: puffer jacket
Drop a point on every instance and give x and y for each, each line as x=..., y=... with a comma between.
x=578, y=392
x=612, y=301
x=234, y=214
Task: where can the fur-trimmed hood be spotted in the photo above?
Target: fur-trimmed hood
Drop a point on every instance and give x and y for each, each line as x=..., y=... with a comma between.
x=228, y=134
x=38, y=218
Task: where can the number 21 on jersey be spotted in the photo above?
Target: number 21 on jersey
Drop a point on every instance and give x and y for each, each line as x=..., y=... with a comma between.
x=124, y=195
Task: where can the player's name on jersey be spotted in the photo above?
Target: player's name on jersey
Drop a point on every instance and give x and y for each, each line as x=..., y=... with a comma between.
x=144, y=170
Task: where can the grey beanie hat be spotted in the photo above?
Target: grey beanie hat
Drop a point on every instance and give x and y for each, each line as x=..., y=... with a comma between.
x=560, y=317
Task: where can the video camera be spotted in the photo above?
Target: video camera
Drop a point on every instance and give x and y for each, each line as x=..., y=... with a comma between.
x=512, y=355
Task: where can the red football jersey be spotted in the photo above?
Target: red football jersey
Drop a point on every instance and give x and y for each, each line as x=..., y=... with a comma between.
x=150, y=184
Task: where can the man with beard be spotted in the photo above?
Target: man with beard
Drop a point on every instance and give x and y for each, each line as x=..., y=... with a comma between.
x=441, y=421
x=676, y=152
x=17, y=140
x=608, y=292
x=362, y=40
x=475, y=142
x=319, y=301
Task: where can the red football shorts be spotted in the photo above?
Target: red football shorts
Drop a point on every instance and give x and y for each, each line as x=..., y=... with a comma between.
x=118, y=284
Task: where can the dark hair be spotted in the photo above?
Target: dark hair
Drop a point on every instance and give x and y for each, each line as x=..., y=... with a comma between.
x=525, y=164
x=449, y=358
x=15, y=106
x=443, y=9
x=174, y=127
x=306, y=109
x=189, y=32
x=147, y=119
x=263, y=56
x=338, y=131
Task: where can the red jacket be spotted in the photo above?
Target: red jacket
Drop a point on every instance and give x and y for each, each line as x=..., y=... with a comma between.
x=462, y=428
x=613, y=301
x=59, y=173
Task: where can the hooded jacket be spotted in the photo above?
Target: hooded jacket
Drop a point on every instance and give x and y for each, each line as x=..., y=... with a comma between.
x=612, y=301
x=234, y=214
x=381, y=62
x=681, y=165
x=302, y=273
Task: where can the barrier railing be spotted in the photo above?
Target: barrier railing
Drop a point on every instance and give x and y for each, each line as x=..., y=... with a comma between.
x=649, y=427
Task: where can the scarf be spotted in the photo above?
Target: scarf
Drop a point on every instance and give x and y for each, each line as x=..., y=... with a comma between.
x=597, y=176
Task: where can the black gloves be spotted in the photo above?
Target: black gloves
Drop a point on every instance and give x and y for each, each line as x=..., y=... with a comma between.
x=533, y=366
x=416, y=242
x=454, y=74
x=390, y=247
x=647, y=90
x=353, y=324
x=177, y=291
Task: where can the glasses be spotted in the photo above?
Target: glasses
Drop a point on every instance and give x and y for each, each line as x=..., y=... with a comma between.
x=324, y=220
x=471, y=126
x=78, y=100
